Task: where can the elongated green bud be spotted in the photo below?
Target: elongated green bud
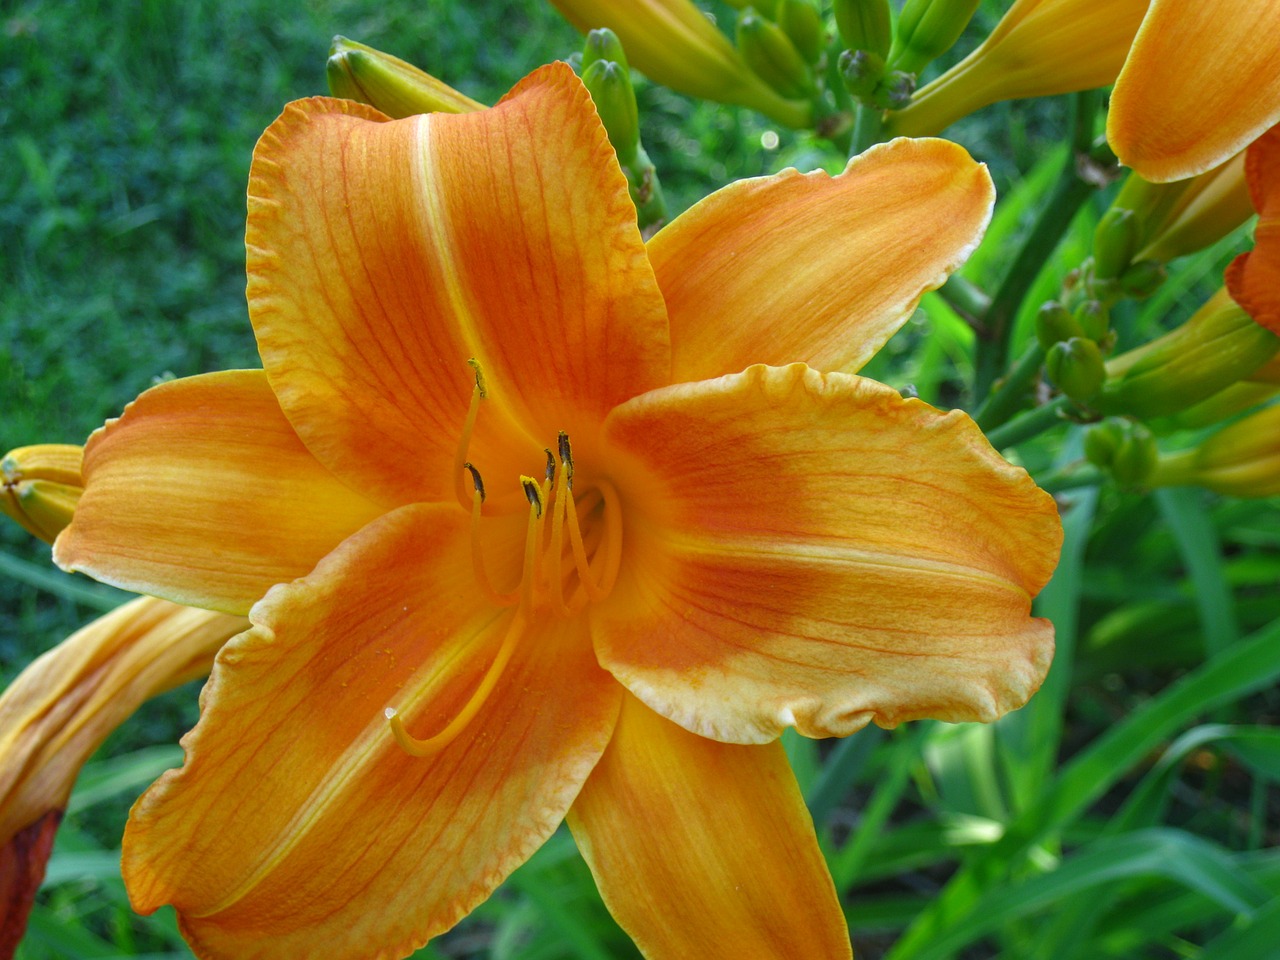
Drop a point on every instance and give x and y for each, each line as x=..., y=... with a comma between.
x=1075, y=366
x=1220, y=345
x=1054, y=324
x=865, y=25
x=801, y=21
x=398, y=89
x=927, y=29
x=861, y=71
x=1223, y=405
x=1115, y=242
x=603, y=44
x=610, y=87
x=772, y=56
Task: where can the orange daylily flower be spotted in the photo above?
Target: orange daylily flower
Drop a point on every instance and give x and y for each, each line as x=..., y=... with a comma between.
x=1201, y=82
x=1254, y=277
x=58, y=711
x=594, y=573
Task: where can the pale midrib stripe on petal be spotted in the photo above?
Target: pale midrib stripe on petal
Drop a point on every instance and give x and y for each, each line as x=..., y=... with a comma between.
x=435, y=219
x=835, y=553
x=375, y=739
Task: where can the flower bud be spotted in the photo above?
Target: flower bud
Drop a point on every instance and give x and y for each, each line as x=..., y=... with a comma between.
x=1135, y=456
x=1102, y=442
x=1039, y=48
x=1241, y=460
x=398, y=89
x=772, y=56
x=602, y=44
x=1054, y=324
x=801, y=21
x=1194, y=214
x=610, y=89
x=1075, y=366
x=865, y=25
x=41, y=487
x=1114, y=243
x=1093, y=317
x=674, y=44
x=894, y=91
x=861, y=71
x=1223, y=405
x=1217, y=347
x=927, y=29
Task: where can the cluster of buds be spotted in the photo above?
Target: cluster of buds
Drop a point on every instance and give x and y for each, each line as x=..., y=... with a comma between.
x=880, y=66
x=607, y=77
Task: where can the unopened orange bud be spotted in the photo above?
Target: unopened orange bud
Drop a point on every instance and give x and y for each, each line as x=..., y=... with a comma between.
x=41, y=487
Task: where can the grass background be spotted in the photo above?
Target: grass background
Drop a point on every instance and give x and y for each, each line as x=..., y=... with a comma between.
x=1130, y=811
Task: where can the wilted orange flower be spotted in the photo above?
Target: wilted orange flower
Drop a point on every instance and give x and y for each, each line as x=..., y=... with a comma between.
x=594, y=572
x=1201, y=82
x=58, y=711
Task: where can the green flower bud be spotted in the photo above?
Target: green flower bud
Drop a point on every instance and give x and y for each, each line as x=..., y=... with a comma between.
x=1135, y=456
x=1218, y=346
x=801, y=21
x=1115, y=242
x=1075, y=366
x=603, y=44
x=610, y=89
x=398, y=89
x=1142, y=278
x=1055, y=324
x=1102, y=442
x=865, y=25
x=1093, y=317
x=895, y=91
x=861, y=71
x=927, y=29
x=1223, y=405
x=772, y=56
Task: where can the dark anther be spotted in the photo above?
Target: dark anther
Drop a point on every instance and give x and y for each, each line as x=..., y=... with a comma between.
x=551, y=465
x=566, y=457
x=533, y=494
x=476, y=481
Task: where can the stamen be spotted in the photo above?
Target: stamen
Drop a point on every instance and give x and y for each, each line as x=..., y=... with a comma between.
x=556, y=550
x=434, y=744
x=566, y=455
x=533, y=493
x=477, y=552
x=478, y=393
x=611, y=544
x=536, y=496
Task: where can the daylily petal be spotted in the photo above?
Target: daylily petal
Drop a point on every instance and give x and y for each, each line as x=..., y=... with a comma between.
x=817, y=269
x=705, y=849
x=1201, y=82
x=298, y=827
x=59, y=710
x=202, y=493
x=1253, y=278
x=816, y=551
x=382, y=255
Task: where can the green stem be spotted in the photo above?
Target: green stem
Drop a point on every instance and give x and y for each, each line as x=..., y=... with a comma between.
x=1071, y=477
x=966, y=298
x=1068, y=196
x=1030, y=424
x=1011, y=393
x=868, y=128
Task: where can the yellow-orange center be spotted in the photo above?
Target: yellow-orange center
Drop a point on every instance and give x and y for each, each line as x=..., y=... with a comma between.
x=572, y=554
